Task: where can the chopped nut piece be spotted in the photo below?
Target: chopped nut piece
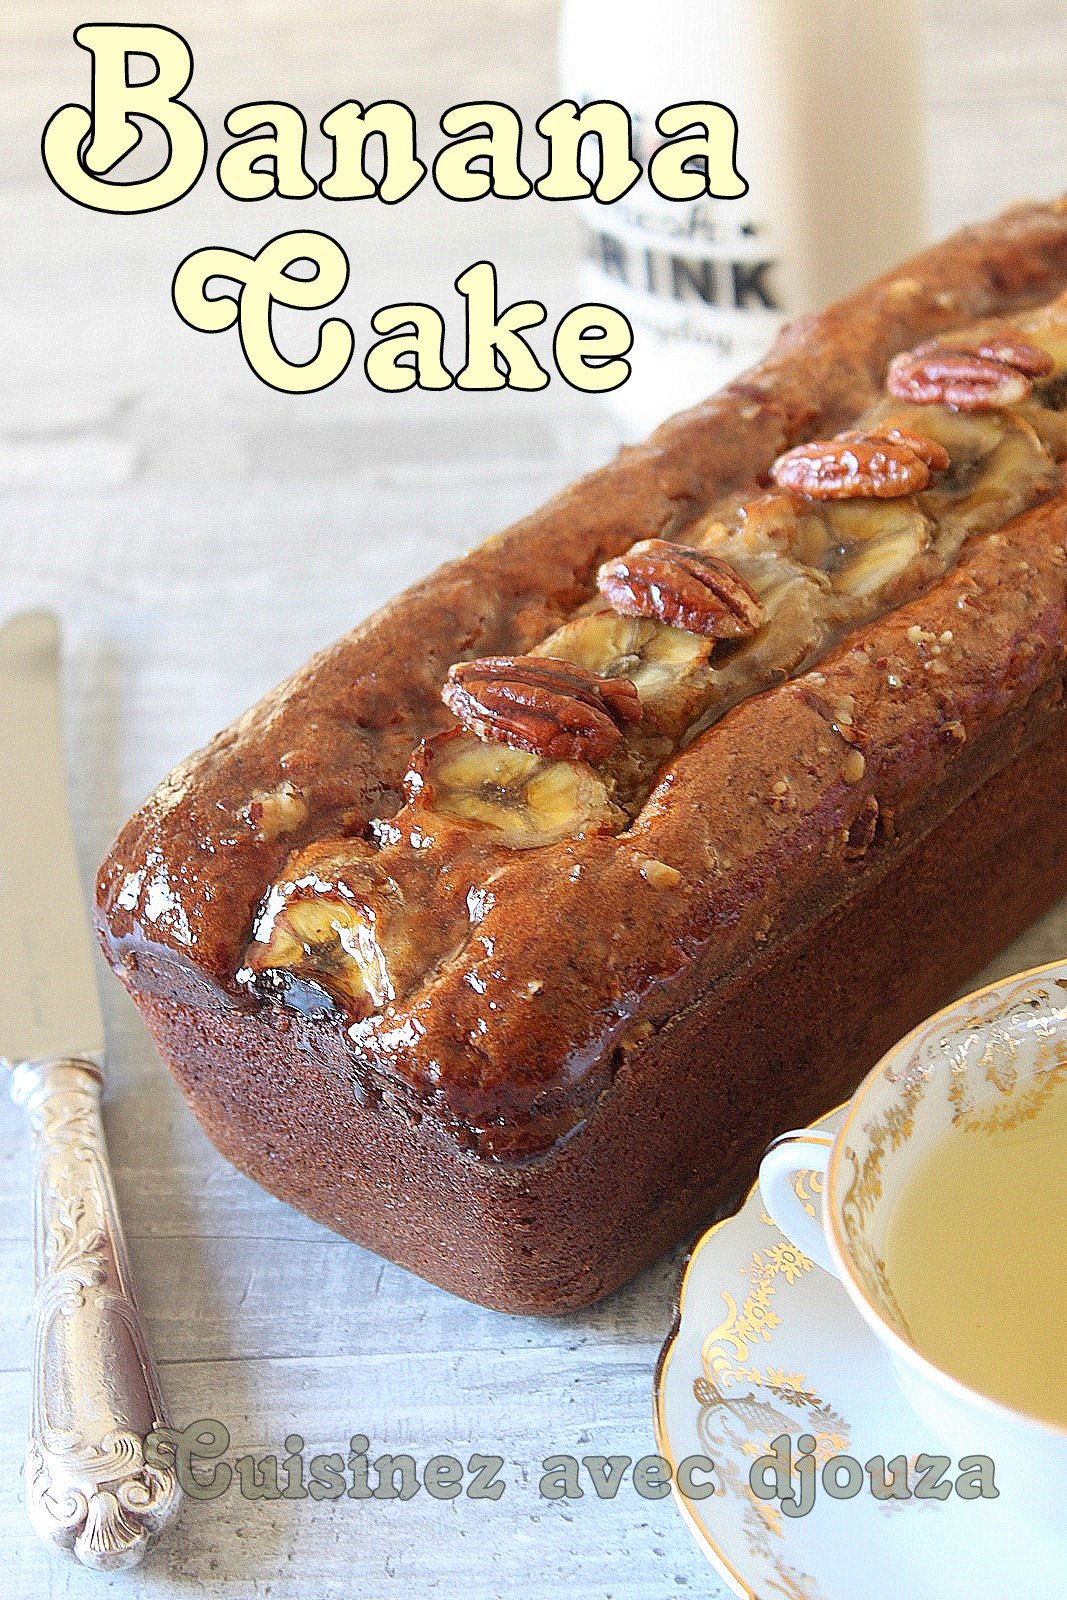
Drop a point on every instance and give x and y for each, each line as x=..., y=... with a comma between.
x=854, y=767
x=272, y=812
x=659, y=874
x=781, y=798
x=860, y=835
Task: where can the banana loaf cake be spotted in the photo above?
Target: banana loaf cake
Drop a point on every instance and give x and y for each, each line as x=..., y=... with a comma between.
x=504, y=936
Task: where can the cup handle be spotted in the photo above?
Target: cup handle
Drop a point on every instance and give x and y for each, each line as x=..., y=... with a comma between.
x=802, y=1150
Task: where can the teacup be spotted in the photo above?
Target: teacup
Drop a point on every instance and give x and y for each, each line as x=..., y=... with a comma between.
x=983, y=1068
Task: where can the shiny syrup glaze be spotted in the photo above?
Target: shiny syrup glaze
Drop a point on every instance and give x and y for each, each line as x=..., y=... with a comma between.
x=353, y=926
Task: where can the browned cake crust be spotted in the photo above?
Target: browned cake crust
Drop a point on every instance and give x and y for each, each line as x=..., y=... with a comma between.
x=599, y=1070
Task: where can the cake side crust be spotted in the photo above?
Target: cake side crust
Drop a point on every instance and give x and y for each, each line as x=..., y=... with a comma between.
x=680, y=1132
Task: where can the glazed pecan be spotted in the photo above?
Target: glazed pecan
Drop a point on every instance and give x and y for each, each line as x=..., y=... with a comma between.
x=683, y=587
x=973, y=375
x=551, y=708
x=857, y=465
x=929, y=450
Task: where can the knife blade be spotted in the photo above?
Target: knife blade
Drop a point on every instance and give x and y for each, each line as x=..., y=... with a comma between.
x=49, y=1005
x=92, y=1487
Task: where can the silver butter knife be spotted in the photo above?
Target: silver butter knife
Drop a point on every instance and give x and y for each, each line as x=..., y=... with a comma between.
x=95, y=1392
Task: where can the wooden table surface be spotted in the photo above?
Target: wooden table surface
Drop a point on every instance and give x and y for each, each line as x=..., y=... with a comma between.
x=200, y=535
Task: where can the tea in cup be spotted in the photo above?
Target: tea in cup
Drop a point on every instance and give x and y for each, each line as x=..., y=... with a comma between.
x=945, y=1217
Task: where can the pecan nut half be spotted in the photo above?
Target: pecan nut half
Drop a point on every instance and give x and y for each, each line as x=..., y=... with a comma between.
x=683, y=587
x=857, y=465
x=929, y=450
x=536, y=703
x=972, y=375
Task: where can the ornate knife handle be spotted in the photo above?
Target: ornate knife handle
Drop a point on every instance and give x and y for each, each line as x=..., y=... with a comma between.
x=95, y=1392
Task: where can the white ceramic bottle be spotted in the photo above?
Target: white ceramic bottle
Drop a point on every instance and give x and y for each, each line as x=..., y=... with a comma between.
x=828, y=101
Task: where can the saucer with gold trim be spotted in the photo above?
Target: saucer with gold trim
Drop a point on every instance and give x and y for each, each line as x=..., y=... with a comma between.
x=764, y=1344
